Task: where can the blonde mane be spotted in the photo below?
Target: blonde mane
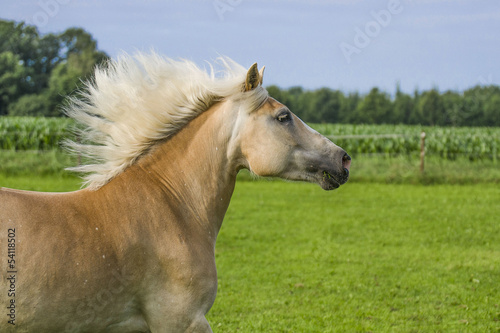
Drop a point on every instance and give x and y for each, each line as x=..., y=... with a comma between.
x=135, y=101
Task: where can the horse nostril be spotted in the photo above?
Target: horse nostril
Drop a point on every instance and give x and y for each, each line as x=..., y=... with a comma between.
x=346, y=162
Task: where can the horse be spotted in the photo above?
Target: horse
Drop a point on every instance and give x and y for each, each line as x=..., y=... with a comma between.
x=134, y=249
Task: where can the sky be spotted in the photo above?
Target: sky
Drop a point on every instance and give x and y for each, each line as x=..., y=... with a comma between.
x=347, y=45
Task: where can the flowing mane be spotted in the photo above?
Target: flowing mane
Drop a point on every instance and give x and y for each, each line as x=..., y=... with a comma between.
x=135, y=101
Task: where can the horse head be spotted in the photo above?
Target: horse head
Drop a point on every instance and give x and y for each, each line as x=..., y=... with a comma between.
x=274, y=142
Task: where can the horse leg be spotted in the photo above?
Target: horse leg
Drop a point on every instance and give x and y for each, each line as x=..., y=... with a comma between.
x=201, y=325
x=178, y=312
x=197, y=325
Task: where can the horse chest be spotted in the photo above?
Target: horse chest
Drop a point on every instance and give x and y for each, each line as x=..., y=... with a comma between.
x=182, y=283
x=191, y=268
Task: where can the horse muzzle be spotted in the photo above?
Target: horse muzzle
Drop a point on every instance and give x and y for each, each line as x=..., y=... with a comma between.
x=332, y=179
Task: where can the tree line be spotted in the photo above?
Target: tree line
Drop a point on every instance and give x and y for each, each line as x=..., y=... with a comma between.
x=37, y=72
x=478, y=106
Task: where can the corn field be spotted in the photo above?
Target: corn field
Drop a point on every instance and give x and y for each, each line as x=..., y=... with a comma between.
x=473, y=143
x=33, y=133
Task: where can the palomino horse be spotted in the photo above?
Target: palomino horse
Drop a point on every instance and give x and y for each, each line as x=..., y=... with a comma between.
x=134, y=250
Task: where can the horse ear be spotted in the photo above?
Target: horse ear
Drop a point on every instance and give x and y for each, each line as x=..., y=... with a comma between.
x=261, y=74
x=253, y=78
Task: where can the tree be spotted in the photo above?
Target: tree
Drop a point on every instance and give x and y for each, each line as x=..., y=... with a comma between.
x=473, y=106
x=12, y=74
x=78, y=65
x=64, y=80
x=38, y=71
x=403, y=107
x=453, y=108
x=276, y=93
x=81, y=50
x=31, y=105
x=50, y=66
x=20, y=39
x=48, y=57
x=39, y=55
x=492, y=111
x=327, y=105
x=375, y=108
x=351, y=102
x=431, y=108
x=295, y=101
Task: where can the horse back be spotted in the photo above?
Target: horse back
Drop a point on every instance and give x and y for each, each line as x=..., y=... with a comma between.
x=18, y=207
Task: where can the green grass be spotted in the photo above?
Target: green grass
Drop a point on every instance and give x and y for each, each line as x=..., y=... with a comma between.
x=27, y=163
x=37, y=171
x=406, y=170
x=365, y=258
x=44, y=183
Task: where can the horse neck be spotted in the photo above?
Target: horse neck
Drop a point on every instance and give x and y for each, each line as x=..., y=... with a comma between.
x=192, y=172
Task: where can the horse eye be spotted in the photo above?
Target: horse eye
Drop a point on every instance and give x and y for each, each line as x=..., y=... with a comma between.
x=283, y=117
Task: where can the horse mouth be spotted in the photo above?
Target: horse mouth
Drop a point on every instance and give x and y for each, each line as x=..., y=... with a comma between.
x=331, y=180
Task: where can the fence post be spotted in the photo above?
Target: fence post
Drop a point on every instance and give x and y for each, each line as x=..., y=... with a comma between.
x=422, y=151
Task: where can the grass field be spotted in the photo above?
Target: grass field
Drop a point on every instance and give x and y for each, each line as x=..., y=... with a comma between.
x=365, y=258
x=368, y=257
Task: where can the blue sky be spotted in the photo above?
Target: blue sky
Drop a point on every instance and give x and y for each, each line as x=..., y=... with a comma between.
x=347, y=45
